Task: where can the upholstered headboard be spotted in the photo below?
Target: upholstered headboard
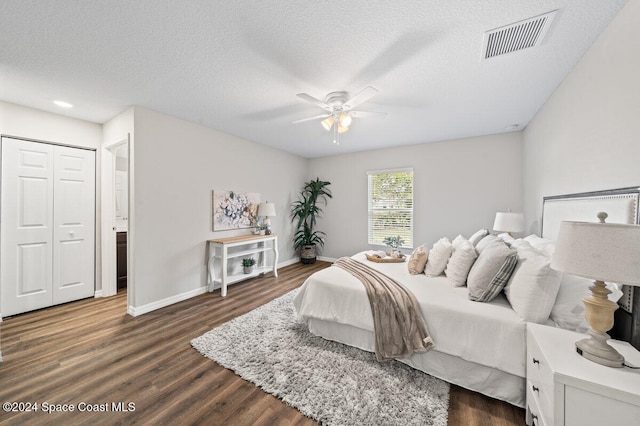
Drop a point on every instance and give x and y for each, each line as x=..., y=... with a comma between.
x=622, y=206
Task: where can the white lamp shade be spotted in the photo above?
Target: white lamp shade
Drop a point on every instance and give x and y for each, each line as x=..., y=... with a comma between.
x=509, y=222
x=266, y=209
x=600, y=251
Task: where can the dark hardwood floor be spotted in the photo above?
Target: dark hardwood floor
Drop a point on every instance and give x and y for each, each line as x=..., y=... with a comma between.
x=92, y=352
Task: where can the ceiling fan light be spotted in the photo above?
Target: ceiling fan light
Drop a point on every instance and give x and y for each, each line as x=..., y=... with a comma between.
x=345, y=120
x=327, y=123
x=341, y=128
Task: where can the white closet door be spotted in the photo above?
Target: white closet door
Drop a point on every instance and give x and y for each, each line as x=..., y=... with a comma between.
x=48, y=225
x=27, y=226
x=74, y=224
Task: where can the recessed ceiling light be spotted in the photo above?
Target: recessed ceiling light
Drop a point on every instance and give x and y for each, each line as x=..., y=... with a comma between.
x=63, y=104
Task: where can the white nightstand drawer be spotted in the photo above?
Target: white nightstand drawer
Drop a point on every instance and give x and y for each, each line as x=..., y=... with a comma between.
x=540, y=379
x=589, y=409
x=537, y=417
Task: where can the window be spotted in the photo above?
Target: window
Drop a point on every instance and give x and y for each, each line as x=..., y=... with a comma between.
x=391, y=205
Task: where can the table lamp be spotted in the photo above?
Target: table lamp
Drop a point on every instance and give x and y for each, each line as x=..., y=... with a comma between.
x=266, y=210
x=509, y=222
x=603, y=252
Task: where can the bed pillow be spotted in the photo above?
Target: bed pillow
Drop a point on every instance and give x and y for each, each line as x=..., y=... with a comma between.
x=418, y=260
x=506, y=237
x=491, y=272
x=460, y=263
x=438, y=257
x=543, y=245
x=533, y=286
x=457, y=241
x=479, y=235
x=485, y=242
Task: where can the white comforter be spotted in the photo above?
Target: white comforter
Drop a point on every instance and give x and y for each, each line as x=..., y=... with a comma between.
x=490, y=334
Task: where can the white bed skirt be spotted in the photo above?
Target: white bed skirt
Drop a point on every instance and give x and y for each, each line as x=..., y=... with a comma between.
x=479, y=378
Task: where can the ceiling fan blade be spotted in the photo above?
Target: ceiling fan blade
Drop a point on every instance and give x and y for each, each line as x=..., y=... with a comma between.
x=314, y=101
x=317, y=117
x=363, y=96
x=367, y=114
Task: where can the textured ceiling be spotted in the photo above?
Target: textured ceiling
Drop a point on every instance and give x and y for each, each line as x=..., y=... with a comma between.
x=237, y=66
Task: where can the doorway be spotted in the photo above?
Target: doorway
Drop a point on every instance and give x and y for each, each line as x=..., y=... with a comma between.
x=116, y=215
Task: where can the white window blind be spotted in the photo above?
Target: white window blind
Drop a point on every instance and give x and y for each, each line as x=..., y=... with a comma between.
x=390, y=205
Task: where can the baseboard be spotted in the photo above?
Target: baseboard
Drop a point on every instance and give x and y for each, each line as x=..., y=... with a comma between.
x=288, y=262
x=327, y=259
x=149, y=307
x=98, y=293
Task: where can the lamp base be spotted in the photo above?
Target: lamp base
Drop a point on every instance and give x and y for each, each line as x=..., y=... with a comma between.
x=599, y=313
x=596, y=349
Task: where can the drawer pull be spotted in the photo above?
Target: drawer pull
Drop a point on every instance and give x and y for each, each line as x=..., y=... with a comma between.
x=535, y=389
x=535, y=361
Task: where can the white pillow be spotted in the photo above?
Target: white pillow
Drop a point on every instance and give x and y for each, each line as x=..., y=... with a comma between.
x=533, y=286
x=438, y=257
x=460, y=263
x=475, y=238
x=485, y=242
x=457, y=241
x=543, y=245
x=520, y=243
x=506, y=237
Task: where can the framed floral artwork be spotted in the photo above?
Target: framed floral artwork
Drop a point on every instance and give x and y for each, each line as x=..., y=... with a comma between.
x=234, y=210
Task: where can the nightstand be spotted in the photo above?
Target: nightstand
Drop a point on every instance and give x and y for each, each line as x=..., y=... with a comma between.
x=565, y=389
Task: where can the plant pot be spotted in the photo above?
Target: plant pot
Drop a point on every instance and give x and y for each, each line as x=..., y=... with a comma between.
x=308, y=254
x=247, y=269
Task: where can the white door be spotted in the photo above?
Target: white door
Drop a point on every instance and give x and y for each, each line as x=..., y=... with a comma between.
x=47, y=235
x=74, y=223
x=27, y=226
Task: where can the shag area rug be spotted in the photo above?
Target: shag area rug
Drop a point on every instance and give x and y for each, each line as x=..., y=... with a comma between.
x=330, y=382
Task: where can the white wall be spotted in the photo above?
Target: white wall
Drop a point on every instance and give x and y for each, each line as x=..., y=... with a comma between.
x=177, y=165
x=586, y=137
x=23, y=122
x=458, y=187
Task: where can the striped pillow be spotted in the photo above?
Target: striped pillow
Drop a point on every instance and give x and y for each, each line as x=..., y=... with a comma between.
x=491, y=272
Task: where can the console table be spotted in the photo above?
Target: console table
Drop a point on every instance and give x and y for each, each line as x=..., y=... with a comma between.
x=220, y=254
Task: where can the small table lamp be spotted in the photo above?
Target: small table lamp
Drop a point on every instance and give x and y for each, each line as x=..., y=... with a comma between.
x=509, y=222
x=267, y=210
x=604, y=252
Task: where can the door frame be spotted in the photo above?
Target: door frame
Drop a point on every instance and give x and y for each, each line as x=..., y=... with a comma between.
x=109, y=255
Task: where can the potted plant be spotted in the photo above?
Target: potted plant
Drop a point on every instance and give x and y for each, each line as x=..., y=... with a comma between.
x=247, y=265
x=394, y=243
x=305, y=212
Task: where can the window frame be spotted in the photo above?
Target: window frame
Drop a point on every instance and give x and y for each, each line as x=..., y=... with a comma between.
x=371, y=210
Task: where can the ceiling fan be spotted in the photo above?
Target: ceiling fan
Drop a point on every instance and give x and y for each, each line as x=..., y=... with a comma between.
x=339, y=107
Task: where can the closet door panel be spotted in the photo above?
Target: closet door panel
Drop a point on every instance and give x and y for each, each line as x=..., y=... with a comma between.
x=74, y=224
x=27, y=226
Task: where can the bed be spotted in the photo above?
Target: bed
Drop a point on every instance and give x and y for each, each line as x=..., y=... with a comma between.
x=479, y=346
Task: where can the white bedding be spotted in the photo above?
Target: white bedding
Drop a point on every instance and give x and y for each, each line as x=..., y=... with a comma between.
x=490, y=334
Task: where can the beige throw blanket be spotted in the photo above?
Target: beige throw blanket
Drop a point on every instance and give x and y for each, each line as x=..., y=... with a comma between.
x=399, y=327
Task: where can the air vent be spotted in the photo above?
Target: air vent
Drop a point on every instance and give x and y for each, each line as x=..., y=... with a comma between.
x=518, y=36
